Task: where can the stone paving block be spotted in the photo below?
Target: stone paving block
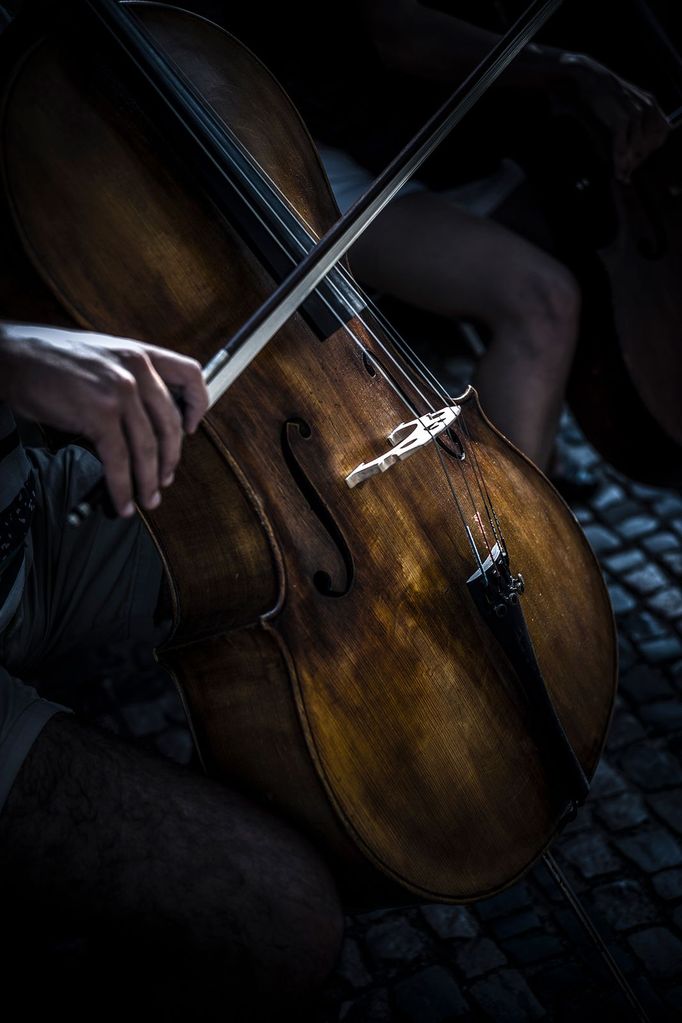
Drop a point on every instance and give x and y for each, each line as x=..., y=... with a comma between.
x=172, y=706
x=581, y=822
x=506, y=998
x=668, y=805
x=350, y=966
x=651, y=850
x=374, y=1007
x=533, y=948
x=450, y=921
x=176, y=744
x=664, y=715
x=624, y=904
x=659, y=543
x=430, y=996
x=393, y=941
x=667, y=603
x=659, y=650
x=668, y=884
x=644, y=684
x=583, y=515
x=677, y=524
x=479, y=956
x=673, y=562
x=625, y=811
x=570, y=433
x=582, y=454
x=372, y=916
x=622, y=602
x=601, y=539
x=624, y=561
x=627, y=655
x=514, y=898
x=621, y=511
x=637, y=526
x=608, y=495
x=624, y=960
x=643, y=626
x=517, y=923
x=644, y=490
x=659, y=950
x=554, y=979
x=652, y=1002
x=646, y=579
x=591, y=855
x=607, y=781
x=544, y=880
x=668, y=506
x=651, y=768
x=625, y=729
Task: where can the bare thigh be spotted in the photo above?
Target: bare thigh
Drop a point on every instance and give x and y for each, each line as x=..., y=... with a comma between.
x=186, y=892
x=426, y=251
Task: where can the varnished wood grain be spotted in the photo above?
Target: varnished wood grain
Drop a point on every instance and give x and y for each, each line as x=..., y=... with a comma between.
x=385, y=719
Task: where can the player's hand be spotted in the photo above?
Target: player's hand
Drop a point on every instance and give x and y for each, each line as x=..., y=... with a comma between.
x=632, y=116
x=114, y=391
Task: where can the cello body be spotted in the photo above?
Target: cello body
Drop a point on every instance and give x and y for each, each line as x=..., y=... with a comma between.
x=326, y=646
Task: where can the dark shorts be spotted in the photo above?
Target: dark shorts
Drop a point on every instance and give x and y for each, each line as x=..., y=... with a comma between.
x=94, y=585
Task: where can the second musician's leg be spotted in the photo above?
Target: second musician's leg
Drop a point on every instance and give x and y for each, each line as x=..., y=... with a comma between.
x=433, y=255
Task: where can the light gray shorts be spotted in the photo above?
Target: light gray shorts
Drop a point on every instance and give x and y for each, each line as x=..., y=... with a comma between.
x=480, y=197
x=86, y=587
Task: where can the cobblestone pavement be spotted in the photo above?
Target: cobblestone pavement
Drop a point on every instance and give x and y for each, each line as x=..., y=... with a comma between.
x=521, y=955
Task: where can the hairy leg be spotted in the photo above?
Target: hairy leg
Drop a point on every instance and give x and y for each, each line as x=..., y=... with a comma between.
x=212, y=897
x=427, y=252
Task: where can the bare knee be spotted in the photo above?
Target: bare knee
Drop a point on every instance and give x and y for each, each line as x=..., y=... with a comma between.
x=540, y=308
x=554, y=295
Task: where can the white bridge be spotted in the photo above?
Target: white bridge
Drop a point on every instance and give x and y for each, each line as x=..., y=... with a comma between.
x=421, y=431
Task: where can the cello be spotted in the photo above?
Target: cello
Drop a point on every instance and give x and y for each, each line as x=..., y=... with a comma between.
x=404, y=644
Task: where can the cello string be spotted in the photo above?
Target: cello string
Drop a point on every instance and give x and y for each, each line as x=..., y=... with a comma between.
x=443, y=393
x=163, y=73
x=408, y=352
x=426, y=373
x=483, y=486
x=421, y=371
x=203, y=126
x=277, y=194
x=440, y=389
x=269, y=196
x=448, y=478
x=427, y=377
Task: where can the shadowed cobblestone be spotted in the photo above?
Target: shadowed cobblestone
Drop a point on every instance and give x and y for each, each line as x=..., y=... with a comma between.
x=450, y=921
x=430, y=996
